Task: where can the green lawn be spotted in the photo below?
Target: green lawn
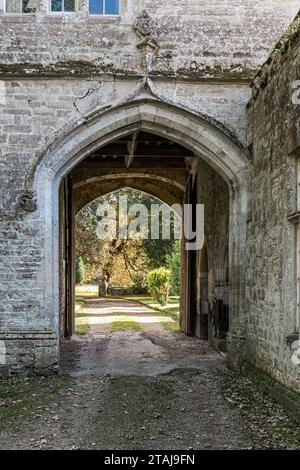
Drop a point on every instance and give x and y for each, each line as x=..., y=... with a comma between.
x=125, y=323
x=172, y=308
x=171, y=326
x=82, y=326
x=86, y=292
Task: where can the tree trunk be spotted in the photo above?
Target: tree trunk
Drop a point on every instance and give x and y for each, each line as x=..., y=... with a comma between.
x=103, y=286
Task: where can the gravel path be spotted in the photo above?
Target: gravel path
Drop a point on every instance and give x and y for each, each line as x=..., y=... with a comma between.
x=147, y=389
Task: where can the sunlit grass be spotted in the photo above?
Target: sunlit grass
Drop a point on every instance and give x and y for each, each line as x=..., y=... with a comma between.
x=86, y=291
x=167, y=315
x=171, y=308
x=125, y=323
x=82, y=326
x=82, y=329
x=171, y=327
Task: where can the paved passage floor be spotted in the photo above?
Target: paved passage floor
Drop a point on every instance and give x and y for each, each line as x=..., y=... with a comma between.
x=129, y=380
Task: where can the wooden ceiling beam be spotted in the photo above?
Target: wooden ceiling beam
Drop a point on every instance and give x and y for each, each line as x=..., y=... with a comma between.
x=137, y=163
x=131, y=148
x=142, y=150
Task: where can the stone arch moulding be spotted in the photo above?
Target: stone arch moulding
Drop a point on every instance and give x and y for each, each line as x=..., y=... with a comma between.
x=167, y=191
x=202, y=136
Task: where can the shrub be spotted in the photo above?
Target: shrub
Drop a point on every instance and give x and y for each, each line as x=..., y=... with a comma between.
x=158, y=282
x=79, y=271
x=174, y=263
x=140, y=283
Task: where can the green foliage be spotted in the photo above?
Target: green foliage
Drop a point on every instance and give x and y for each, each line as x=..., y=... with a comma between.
x=140, y=283
x=158, y=251
x=174, y=265
x=158, y=282
x=79, y=270
x=121, y=263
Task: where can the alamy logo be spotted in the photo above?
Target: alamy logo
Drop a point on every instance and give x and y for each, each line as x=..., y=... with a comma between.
x=159, y=222
x=296, y=93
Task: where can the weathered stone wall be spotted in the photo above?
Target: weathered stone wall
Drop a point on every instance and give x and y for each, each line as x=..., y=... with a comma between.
x=198, y=38
x=54, y=69
x=274, y=134
x=33, y=111
x=213, y=193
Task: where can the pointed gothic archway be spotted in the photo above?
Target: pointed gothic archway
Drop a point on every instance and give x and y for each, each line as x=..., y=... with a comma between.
x=207, y=141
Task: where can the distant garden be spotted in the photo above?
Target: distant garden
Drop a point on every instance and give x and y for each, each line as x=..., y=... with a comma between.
x=126, y=267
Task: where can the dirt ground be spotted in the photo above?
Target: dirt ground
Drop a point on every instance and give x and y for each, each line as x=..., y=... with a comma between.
x=133, y=382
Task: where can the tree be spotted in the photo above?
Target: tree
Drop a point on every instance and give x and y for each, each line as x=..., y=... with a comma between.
x=174, y=263
x=157, y=251
x=124, y=263
x=79, y=270
x=129, y=251
x=107, y=260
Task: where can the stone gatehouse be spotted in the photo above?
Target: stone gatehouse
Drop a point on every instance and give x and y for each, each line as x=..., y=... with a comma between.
x=82, y=85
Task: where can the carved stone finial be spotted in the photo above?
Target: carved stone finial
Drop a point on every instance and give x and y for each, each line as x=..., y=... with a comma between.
x=148, y=48
x=145, y=25
x=28, y=201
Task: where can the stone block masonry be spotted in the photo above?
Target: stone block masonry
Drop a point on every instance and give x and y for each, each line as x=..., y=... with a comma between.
x=60, y=73
x=273, y=253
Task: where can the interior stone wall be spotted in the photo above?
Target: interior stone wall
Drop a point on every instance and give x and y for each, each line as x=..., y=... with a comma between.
x=213, y=193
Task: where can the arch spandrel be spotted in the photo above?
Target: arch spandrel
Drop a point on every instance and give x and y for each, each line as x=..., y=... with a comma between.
x=200, y=134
